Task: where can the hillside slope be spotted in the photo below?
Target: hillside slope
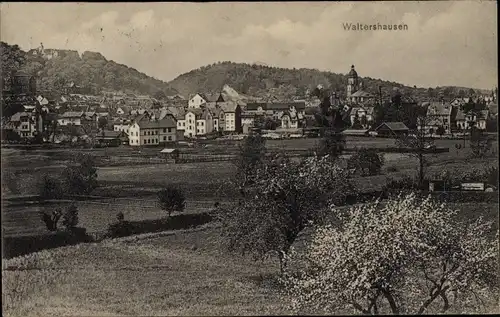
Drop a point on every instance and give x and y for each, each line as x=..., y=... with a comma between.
x=90, y=70
x=265, y=81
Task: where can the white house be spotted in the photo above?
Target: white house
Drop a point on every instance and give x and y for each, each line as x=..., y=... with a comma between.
x=25, y=124
x=198, y=122
x=232, y=116
x=290, y=120
x=363, y=115
x=248, y=119
x=196, y=101
x=147, y=132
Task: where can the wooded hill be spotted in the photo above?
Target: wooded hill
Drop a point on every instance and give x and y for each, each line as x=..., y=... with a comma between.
x=90, y=70
x=94, y=71
x=266, y=81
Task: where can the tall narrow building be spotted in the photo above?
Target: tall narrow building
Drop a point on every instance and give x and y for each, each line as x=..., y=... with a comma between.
x=352, y=82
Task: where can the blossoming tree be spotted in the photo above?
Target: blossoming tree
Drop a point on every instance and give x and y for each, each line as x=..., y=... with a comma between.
x=407, y=256
x=283, y=199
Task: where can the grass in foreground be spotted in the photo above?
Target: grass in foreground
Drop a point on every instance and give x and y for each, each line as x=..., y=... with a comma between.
x=181, y=274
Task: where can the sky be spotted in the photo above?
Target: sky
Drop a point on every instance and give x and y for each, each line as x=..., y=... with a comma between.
x=446, y=43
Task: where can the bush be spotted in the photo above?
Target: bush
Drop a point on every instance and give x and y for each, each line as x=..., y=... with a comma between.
x=171, y=199
x=367, y=161
x=70, y=217
x=81, y=178
x=51, y=188
x=120, y=229
x=51, y=220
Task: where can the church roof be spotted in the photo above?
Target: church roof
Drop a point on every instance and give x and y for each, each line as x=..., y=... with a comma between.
x=353, y=72
x=362, y=93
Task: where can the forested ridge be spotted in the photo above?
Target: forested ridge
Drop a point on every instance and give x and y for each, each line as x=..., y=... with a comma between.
x=93, y=70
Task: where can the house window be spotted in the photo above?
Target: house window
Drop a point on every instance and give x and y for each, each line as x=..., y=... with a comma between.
x=169, y=130
x=144, y=141
x=170, y=138
x=165, y=130
x=202, y=123
x=184, y=124
x=164, y=138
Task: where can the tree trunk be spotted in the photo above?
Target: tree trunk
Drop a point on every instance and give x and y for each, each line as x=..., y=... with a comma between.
x=392, y=302
x=421, y=170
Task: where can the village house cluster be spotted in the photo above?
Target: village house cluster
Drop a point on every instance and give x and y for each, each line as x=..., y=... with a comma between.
x=139, y=120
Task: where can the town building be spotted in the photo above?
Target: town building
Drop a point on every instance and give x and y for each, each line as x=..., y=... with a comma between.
x=199, y=99
x=198, y=122
x=355, y=91
x=439, y=114
x=79, y=118
x=145, y=132
x=25, y=124
x=392, y=129
x=362, y=115
x=232, y=116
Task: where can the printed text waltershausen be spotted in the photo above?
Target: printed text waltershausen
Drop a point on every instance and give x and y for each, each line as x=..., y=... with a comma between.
x=374, y=27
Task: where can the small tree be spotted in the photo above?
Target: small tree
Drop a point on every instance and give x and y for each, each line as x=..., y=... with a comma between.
x=367, y=161
x=285, y=197
x=418, y=144
x=356, y=124
x=332, y=144
x=81, y=177
x=407, y=256
x=171, y=199
x=480, y=142
x=51, y=188
x=440, y=131
x=70, y=217
x=251, y=156
x=51, y=220
x=102, y=123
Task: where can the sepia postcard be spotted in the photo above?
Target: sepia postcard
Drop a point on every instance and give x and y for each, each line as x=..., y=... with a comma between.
x=249, y=158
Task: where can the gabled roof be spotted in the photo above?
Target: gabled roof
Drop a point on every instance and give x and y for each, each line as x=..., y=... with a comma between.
x=178, y=112
x=253, y=106
x=110, y=134
x=362, y=93
x=72, y=114
x=166, y=122
x=438, y=108
x=169, y=150
x=394, y=126
x=228, y=106
x=17, y=116
x=141, y=117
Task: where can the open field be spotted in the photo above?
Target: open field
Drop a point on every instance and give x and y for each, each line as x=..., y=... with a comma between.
x=182, y=273
x=162, y=276
x=203, y=183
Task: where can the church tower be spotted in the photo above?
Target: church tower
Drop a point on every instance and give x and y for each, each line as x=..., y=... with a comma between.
x=352, y=82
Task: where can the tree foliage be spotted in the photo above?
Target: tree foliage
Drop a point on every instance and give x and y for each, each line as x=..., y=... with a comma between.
x=367, y=162
x=171, y=199
x=91, y=70
x=285, y=197
x=480, y=142
x=80, y=178
x=419, y=144
x=406, y=256
x=251, y=156
x=51, y=220
x=70, y=217
x=102, y=123
x=51, y=188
